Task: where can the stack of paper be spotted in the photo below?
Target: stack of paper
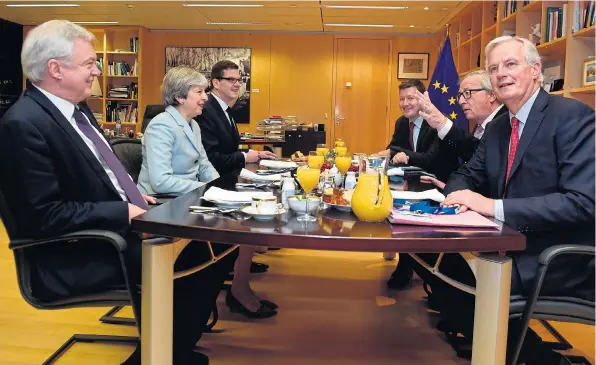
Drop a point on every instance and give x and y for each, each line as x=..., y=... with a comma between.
x=466, y=219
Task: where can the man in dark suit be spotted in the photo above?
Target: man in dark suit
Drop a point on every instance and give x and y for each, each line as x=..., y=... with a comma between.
x=480, y=105
x=219, y=132
x=61, y=176
x=537, y=163
x=414, y=142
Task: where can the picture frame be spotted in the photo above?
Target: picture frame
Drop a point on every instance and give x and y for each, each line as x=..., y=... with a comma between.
x=589, y=71
x=412, y=66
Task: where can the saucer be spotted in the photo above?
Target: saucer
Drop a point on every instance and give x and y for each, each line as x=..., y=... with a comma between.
x=227, y=203
x=342, y=208
x=262, y=217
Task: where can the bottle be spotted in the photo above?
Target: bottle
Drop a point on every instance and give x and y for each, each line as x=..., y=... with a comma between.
x=118, y=127
x=350, y=180
x=287, y=189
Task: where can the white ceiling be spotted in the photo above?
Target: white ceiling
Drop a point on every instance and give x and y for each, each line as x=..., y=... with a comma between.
x=294, y=16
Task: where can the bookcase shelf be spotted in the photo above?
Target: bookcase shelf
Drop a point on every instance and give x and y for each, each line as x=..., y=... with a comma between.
x=111, y=47
x=566, y=52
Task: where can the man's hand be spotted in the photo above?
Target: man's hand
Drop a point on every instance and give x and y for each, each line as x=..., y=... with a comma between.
x=252, y=156
x=134, y=211
x=474, y=201
x=431, y=180
x=149, y=199
x=400, y=157
x=386, y=152
x=429, y=112
x=267, y=155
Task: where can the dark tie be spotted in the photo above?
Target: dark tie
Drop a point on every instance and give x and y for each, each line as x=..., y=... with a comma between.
x=513, y=142
x=129, y=187
x=232, y=123
x=412, y=136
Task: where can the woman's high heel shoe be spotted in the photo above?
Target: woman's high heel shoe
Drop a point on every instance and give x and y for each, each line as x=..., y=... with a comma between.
x=235, y=306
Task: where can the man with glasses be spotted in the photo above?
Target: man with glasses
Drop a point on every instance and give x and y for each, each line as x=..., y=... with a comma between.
x=219, y=132
x=480, y=105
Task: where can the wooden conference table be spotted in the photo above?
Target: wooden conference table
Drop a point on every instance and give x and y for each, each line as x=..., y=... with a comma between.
x=333, y=231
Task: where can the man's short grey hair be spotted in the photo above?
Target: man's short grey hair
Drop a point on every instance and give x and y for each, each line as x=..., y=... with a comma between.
x=530, y=51
x=51, y=40
x=484, y=79
x=177, y=83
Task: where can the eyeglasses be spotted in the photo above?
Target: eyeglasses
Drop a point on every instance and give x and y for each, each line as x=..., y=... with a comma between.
x=232, y=80
x=467, y=93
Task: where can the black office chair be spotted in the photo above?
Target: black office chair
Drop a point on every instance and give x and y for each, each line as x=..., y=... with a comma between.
x=554, y=308
x=150, y=112
x=24, y=250
x=129, y=152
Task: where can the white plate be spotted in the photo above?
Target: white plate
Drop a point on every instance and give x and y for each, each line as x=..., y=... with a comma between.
x=341, y=208
x=227, y=204
x=262, y=217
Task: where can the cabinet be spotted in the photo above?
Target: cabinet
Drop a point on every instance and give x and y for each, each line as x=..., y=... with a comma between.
x=11, y=75
x=303, y=141
x=116, y=93
x=480, y=22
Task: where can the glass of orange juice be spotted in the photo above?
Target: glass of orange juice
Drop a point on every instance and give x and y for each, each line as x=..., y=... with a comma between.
x=322, y=149
x=343, y=163
x=339, y=142
x=315, y=161
x=341, y=150
x=308, y=179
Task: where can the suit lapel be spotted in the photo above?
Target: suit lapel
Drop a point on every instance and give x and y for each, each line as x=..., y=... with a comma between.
x=188, y=132
x=424, y=129
x=504, y=131
x=222, y=116
x=76, y=139
x=530, y=128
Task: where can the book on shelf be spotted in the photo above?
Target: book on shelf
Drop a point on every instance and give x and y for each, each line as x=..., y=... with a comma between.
x=510, y=8
x=124, y=91
x=556, y=22
x=583, y=15
x=122, y=68
x=121, y=112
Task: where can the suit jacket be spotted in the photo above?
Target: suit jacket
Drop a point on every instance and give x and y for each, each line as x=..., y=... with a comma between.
x=220, y=139
x=54, y=185
x=462, y=142
x=428, y=155
x=174, y=160
x=550, y=193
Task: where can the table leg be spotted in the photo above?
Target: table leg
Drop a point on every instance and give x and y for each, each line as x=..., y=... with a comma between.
x=491, y=318
x=157, y=304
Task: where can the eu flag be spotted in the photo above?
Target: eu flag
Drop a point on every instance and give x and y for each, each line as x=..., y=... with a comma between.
x=444, y=86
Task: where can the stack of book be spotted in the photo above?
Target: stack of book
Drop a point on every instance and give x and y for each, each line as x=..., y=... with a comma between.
x=272, y=127
x=123, y=92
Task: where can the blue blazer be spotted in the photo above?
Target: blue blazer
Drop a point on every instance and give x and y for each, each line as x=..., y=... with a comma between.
x=174, y=160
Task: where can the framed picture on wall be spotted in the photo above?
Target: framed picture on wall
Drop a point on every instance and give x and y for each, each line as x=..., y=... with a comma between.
x=589, y=72
x=412, y=66
x=203, y=58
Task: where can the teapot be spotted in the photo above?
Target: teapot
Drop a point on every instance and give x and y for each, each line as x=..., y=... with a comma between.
x=372, y=200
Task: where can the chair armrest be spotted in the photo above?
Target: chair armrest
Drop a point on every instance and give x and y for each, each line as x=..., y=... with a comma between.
x=96, y=234
x=550, y=253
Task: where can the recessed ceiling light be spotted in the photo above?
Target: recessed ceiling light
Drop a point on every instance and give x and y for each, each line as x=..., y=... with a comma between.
x=225, y=5
x=364, y=7
x=426, y=8
x=236, y=23
x=411, y=26
x=42, y=5
x=108, y=22
x=445, y=9
x=362, y=25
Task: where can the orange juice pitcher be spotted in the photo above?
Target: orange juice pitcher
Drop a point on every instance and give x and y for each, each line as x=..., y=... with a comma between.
x=372, y=200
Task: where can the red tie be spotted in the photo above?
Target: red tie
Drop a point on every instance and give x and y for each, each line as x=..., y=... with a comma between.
x=513, y=142
x=412, y=136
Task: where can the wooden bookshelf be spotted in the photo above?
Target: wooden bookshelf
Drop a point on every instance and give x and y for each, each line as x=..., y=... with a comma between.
x=114, y=45
x=568, y=51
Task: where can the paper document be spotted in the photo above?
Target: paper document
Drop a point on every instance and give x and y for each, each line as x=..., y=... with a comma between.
x=432, y=194
x=466, y=219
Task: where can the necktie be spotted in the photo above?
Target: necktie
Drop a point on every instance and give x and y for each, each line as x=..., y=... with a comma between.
x=513, y=142
x=232, y=123
x=478, y=132
x=412, y=136
x=129, y=187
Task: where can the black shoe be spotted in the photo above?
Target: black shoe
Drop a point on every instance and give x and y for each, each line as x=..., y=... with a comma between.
x=237, y=307
x=198, y=358
x=257, y=268
x=269, y=304
x=401, y=277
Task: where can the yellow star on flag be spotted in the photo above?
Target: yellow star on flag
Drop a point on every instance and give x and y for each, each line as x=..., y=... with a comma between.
x=451, y=100
x=444, y=89
x=437, y=84
x=453, y=116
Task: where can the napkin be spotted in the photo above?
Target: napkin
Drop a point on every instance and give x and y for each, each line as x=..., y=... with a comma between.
x=396, y=171
x=249, y=175
x=433, y=194
x=278, y=164
x=220, y=195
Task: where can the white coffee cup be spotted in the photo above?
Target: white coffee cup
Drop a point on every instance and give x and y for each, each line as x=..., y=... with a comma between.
x=265, y=205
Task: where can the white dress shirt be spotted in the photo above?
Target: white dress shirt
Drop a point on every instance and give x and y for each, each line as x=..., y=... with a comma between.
x=67, y=109
x=448, y=124
x=416, y=131
x=522, y=116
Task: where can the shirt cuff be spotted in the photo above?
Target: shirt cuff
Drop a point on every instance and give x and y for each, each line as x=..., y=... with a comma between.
x=499, y=213
x=446, y=128
x=244, y=154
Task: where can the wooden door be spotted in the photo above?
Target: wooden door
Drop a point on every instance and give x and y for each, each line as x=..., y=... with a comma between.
x=361, y=107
